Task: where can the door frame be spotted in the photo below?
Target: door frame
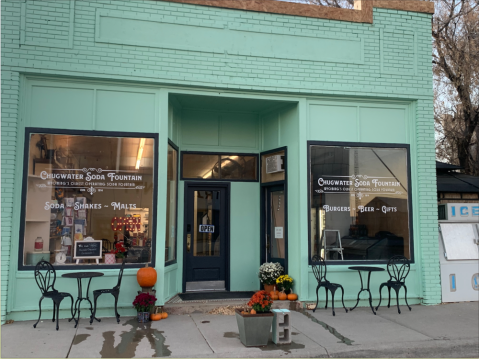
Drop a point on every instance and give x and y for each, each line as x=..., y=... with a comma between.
x=263, y=215
x=208, y=186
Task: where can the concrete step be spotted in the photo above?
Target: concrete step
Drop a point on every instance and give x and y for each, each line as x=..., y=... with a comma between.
x=206, y=306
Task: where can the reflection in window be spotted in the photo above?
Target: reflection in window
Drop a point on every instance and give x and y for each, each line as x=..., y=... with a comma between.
x=359, y=203
x=171, y=190
x=224, y=167
x=88, y=186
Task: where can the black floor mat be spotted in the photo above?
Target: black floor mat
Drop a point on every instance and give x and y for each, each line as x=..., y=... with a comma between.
x=215, y=295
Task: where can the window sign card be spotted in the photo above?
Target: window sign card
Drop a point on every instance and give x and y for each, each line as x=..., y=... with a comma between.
x=206, y=228
x=278, y=232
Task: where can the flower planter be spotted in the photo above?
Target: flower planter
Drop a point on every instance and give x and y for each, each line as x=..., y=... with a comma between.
x=143, y=317
x=268, y=287
x=254, y=329
x=119, y=260
x=110, y=258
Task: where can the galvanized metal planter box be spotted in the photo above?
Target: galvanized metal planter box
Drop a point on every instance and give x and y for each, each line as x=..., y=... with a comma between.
x=254, y=329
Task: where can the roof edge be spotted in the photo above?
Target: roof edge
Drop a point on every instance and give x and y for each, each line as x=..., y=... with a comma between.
x=362, y=12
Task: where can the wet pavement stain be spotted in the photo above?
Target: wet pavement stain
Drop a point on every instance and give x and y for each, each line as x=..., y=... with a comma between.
x=80, y=338
x=231, y=335
x=270, y=346
x=130, y=340
x=333, y=331
x=89, y=328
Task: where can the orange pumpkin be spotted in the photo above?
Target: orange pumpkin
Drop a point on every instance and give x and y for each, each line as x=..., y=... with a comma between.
x=164, y=315
x=282, y=296
x=155, y=316
x=274, y=292
x=292, y=296
x=252, y=311
x=146, y=277
x=274, y=296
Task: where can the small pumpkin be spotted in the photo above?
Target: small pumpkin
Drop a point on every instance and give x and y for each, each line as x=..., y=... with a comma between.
x=146, y=277
x=155, y=316
x=252, y=311
x=282, y=296
x=292, y=296
x=274, y=291
x=164, y=315
x=274, y=296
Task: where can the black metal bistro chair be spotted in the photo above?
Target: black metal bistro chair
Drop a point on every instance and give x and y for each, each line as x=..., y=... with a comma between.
x=320, y=270
x=115, y=291
x=45, y=276
x=398, y=269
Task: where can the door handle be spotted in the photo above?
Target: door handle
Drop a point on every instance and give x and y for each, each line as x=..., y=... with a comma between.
x=188, y=242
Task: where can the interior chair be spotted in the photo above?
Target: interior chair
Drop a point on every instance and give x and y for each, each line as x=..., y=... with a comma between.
x=115, y=291
x=320, y=270
x=45, y=276
x=398, y=269
x=332, y=244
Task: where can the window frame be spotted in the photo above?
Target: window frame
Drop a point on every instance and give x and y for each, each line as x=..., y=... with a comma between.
x=174, y=261
x=91, y=133
x=409, y=196
x=182, y=178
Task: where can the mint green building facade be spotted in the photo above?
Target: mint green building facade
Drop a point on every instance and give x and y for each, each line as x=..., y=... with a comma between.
x=212, y=79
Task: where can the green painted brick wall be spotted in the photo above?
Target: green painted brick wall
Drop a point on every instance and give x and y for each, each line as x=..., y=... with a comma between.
x=70, y=49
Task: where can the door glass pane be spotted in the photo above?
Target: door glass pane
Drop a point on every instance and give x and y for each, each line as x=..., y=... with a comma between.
x=206, y=238
x=277, y=225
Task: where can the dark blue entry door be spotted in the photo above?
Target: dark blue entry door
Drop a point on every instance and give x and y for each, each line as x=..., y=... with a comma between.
x=205, y=237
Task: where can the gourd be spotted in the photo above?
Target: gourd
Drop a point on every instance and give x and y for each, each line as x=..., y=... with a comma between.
x=292, y=296
x=146, y=277
x=274, y=292
x=252, y=311
x=164, y=315
x=282, y=296
x=155, y=316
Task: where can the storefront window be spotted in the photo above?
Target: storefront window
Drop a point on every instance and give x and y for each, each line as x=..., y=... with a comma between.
x=88, y=196
x=171, y=195
x=209, y=166
x=359, y=202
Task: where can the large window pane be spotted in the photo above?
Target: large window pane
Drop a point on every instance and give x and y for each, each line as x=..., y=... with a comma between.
x=88, y=186
x=359, y=203
x=171, y=190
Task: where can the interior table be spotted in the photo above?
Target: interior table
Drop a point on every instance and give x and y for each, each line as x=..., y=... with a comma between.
x=369, y=270
x=79, y=276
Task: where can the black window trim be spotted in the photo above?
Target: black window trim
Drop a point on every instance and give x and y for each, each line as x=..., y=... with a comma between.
x=182, y=178
x=410, y=209
x=91, y=133
x=177, y=149
x=265, y=185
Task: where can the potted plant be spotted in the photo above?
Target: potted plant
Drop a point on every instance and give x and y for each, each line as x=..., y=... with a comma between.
x=284, y=283
x=143, y=303
x=119, y=252
x=268, y=272
x=254, y=326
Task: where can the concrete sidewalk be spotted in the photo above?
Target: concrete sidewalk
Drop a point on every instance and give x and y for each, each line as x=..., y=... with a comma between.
x=447, y=330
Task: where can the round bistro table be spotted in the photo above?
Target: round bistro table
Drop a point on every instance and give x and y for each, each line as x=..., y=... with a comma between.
x=369, y=270
x=79, y=276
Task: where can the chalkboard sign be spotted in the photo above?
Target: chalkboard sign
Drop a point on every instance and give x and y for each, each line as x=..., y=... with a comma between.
x=87, y=250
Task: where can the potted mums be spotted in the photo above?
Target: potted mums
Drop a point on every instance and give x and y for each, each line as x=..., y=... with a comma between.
x=143, y=303
x=254, y=326
x=268, y=273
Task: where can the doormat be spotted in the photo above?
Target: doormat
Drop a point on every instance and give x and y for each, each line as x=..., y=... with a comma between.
x=215, y=295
